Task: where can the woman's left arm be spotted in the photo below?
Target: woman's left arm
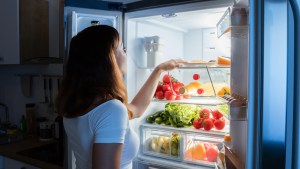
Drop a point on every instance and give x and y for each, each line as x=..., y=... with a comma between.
x=143, y=98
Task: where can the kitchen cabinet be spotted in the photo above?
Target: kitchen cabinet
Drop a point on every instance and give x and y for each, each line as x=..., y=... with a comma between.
x=13, y=164
x=32, y=31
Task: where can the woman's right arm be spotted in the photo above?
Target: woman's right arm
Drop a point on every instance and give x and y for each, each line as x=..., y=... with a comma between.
x=106, y=155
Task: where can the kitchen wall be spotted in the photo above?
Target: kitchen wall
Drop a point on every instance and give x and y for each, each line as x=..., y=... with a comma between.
x=15, y=98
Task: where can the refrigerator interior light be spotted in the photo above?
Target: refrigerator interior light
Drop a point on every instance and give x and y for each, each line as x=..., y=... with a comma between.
x=169, y=15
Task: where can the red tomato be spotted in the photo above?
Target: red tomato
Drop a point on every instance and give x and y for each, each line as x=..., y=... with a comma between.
x=204, y=113
x=166, y=87
x=159, y=88
x=219, y=124
x=178, y=96
x=196, y=76
x=166, y=78
x=197, y=123
x=212, y=153
x=176, y=86
x=217, y=114
x=208, y=124
x=169, y=95
x=200, y=91
x=159, y=95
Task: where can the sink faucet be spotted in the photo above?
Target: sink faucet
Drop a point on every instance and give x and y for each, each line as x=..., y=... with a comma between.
x=6, y=115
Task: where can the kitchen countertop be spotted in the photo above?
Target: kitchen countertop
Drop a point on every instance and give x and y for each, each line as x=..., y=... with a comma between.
x=12, y=150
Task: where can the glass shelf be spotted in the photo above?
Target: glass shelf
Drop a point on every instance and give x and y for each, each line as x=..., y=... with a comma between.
x=209, y=101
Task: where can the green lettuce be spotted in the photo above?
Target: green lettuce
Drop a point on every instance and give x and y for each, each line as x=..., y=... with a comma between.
x=181, y=115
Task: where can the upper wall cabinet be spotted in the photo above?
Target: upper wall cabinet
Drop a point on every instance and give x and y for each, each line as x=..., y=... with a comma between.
x=32, y=31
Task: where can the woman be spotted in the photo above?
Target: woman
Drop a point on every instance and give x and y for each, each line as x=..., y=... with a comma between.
x=93, y=100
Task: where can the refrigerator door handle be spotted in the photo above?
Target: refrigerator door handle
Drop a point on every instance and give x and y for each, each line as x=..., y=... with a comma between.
x=293, y=83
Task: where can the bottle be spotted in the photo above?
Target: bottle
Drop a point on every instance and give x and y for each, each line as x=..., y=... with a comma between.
x=23, y=124
x=227, y=141
x=190, y=89
x=31, y=119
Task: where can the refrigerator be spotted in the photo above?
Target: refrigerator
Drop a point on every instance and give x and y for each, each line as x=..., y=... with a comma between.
x=261, y=40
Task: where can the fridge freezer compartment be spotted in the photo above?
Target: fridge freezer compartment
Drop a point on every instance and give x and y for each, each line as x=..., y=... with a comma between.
x=201, y=149
x=160, y=143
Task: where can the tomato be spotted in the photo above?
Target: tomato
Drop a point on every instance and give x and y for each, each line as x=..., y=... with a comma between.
x=219, y=124
x=196, y=76
x=159, y=95
x=212, y=153
x=166, y=87
x=159, y=88
x=197, y=123
x=208, y=124
x=200, y=91
x=178, y=96
x=217, y=114
x=204, y=113
x=166, y=78
x=169, y=95
x=176, y=86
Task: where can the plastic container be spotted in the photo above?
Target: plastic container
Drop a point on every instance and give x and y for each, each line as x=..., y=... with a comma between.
x=159, y=143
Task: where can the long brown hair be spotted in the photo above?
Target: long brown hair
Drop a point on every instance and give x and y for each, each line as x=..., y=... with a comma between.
x=91, y=75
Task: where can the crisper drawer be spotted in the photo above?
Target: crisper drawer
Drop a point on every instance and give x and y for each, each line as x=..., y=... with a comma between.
x=201, y=149
x=161, y=143
x=193, y=148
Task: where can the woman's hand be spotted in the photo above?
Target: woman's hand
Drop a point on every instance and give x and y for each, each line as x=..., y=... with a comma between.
x=170, y=65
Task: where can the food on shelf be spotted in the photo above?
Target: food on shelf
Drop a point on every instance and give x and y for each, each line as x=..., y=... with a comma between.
x=208, y=124
x=197, y=123
x=204, y=113
x=217, y=114
x=196, y=76
x=176, y=115
x=201, y=151
x=208, y=89
x=168, y=88
x=219, y=123
x=200, y=91
x=223, y=60
x=212, y=153
x=190, y=89
x=224, y=91
x=224, y=109
x=161, y=144
x=197, y=152
x=209, y=119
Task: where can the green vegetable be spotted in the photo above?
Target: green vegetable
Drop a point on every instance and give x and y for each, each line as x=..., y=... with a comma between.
x=224, y=109
x=181, y=115
x=149, y=120
x=175, y=141
x=158, y=120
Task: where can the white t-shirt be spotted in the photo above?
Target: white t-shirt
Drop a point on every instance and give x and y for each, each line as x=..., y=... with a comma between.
x=107, y=123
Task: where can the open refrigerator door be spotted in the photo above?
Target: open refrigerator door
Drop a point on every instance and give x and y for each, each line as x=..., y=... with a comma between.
x=198, y=91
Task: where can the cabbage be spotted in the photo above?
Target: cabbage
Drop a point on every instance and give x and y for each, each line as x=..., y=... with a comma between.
x=181, y=115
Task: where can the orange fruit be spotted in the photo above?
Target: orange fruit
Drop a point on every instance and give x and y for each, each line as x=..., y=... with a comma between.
x=199, y=152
